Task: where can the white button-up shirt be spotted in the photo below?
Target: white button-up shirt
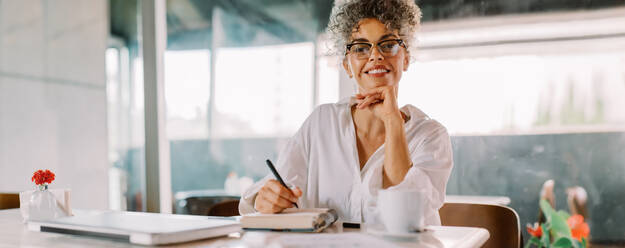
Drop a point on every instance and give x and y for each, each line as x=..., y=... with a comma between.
x=322, y=159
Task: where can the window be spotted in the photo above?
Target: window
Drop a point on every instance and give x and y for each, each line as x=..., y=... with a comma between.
x=125, y=129
x=187, y=81
x=262, y=91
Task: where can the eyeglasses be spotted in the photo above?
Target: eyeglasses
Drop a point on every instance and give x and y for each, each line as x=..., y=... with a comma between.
x=387, y=48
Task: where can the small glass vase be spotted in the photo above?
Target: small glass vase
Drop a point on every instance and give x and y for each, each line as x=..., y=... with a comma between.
x=42, y=205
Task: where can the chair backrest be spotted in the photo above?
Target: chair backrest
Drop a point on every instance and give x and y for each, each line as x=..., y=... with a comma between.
x=199, y=204
x=225, y=208
x=502, y=222
x=9, y=200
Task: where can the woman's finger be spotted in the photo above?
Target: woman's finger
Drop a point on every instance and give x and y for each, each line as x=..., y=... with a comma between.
x=280, y=190
x=278, y=200
x=266, y=207
x=284, y=203
x=369, y=101
x=383, y=91
x=297, y=192
x=373, y=103
x=366, y=102
x=268, y=201
x=261, y=204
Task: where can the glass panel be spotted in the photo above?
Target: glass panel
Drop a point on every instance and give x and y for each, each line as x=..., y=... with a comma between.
x=262, y=91
x=125, y=125
x=187, y=81
x=328, y=79
x=125, y=111
x=534, y=93
x=528, y=102
x=263, y=81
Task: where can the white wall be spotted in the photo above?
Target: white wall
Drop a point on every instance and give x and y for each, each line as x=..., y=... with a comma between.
x=53, y=96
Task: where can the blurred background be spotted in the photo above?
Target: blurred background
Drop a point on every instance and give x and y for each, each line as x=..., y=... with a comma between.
x=529, y=90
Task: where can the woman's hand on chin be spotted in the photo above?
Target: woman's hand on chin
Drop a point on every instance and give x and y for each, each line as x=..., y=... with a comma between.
x=381, y=100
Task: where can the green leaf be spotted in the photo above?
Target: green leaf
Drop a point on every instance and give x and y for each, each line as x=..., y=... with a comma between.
x=565, y=242
x=556, y=227
x=564, y=214
x=545, y=240
x=559, y=227
x=533, y=240
x=546, y=208
x=556, y=221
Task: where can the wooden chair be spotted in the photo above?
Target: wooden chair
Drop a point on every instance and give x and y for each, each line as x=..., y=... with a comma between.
x=199, y=204
x=8, y=200
x=502, y=222
x=225, y=208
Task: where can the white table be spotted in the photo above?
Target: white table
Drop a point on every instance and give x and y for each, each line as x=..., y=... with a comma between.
x=14, y=233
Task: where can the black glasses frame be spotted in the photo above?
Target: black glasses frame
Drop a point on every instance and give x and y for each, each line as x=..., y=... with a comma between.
x=349, y=46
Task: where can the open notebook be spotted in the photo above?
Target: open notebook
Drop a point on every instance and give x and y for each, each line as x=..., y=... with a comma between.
x=291, y=220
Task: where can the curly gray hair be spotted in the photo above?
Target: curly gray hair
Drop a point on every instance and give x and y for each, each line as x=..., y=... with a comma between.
x=401, y=15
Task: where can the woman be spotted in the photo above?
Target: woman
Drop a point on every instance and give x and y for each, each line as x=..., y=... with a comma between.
x=345, y=152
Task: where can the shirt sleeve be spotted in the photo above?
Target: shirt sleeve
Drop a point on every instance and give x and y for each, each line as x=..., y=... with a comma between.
x=292, y=166
x=432, y=160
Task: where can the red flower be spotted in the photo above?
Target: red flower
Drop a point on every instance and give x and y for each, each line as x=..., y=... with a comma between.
x=41, y=177
x=535, y=230
x=579, y=228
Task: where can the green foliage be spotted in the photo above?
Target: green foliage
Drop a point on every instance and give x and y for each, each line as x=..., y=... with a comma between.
x=556, y=229
x=545, y=240
x=563, y=243
x=534, y=241
x=558, y=226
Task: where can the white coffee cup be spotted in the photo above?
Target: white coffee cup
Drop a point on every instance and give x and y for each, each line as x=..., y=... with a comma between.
x=402, y=211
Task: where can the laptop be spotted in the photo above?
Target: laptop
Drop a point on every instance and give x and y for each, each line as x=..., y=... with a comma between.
x=140, y=228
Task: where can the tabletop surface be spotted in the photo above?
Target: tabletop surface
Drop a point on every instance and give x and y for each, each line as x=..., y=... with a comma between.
x=14, y=233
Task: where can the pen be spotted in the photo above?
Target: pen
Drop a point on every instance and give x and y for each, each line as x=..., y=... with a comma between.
x=275, y=173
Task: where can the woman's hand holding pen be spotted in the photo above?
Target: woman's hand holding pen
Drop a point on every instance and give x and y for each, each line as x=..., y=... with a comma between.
x=273, y=197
